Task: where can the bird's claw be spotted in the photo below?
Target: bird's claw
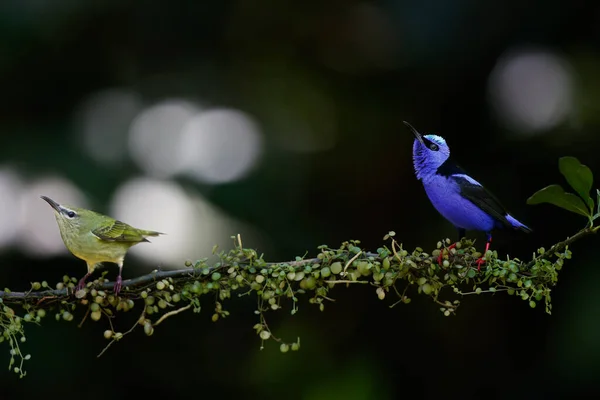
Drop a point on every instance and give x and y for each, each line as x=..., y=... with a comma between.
x=117, y=287
x=441, y=256
x=80, y=284
x=479, y=263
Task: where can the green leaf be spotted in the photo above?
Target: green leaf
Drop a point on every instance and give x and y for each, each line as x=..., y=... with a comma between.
x=554, y=194
x=579, y=176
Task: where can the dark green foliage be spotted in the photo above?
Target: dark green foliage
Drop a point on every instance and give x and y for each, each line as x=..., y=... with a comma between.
x=581, y=179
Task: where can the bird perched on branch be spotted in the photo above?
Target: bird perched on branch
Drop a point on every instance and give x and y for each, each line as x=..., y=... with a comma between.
x=459, y=198
x=96, y=238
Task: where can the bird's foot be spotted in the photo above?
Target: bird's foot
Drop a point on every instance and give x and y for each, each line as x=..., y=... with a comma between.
x=487, y=247
x=80, y=284
x=117, y=287
x=441, y=256
x=479, y=263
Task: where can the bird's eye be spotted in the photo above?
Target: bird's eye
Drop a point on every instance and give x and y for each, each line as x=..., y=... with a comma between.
x=434, y=147
x=71, y=214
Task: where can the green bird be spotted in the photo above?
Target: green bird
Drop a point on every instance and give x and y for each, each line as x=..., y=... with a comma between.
x=96, y=238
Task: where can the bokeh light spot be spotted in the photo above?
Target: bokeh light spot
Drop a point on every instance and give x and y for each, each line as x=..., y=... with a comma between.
x=531, y=90
x=154, y=139
x=160, y=206
x=10, y=191
x=103, y=123
x=220, y=145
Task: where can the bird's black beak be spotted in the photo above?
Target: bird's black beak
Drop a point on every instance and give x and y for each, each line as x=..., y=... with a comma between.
x=52, y=203
x=415, y=132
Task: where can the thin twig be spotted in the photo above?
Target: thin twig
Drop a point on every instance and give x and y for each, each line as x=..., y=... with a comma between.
x=87, y=312
x=451, y=306
x=487, y=291
x=561, y=245
x=400, y=296
x=351, y=261
x=126, y=333
x=171, y=313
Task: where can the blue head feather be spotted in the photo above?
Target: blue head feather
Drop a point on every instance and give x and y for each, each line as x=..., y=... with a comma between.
x=429, y=153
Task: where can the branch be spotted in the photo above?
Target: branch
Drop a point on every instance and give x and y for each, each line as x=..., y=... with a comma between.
x=391, y=270
x=561, y=245
x=143, y=280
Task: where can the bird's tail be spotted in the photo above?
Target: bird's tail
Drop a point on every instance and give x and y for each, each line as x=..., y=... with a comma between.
x=517, y=225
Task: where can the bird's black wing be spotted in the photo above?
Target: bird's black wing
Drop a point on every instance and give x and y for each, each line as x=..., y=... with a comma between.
x=482, y=198
x=449, y=168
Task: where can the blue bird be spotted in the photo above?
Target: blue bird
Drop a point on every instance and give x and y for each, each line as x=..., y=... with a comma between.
x=459, y=198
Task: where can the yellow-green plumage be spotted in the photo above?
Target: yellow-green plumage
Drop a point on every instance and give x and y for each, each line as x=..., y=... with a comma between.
x=96, y=238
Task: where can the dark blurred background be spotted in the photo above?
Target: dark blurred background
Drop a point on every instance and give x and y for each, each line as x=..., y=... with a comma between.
x=282, y=121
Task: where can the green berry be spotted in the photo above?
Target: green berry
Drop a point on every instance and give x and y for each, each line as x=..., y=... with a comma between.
x=336, y=267
x=532, y=304
x=363, y=268
x=265, y=335
x=386, y=263
x=310, y=283
x=148, y=328
x=427, y=288
x=96, y=315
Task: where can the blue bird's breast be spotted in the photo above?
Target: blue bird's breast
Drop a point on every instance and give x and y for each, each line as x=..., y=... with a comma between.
x=445, y=196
